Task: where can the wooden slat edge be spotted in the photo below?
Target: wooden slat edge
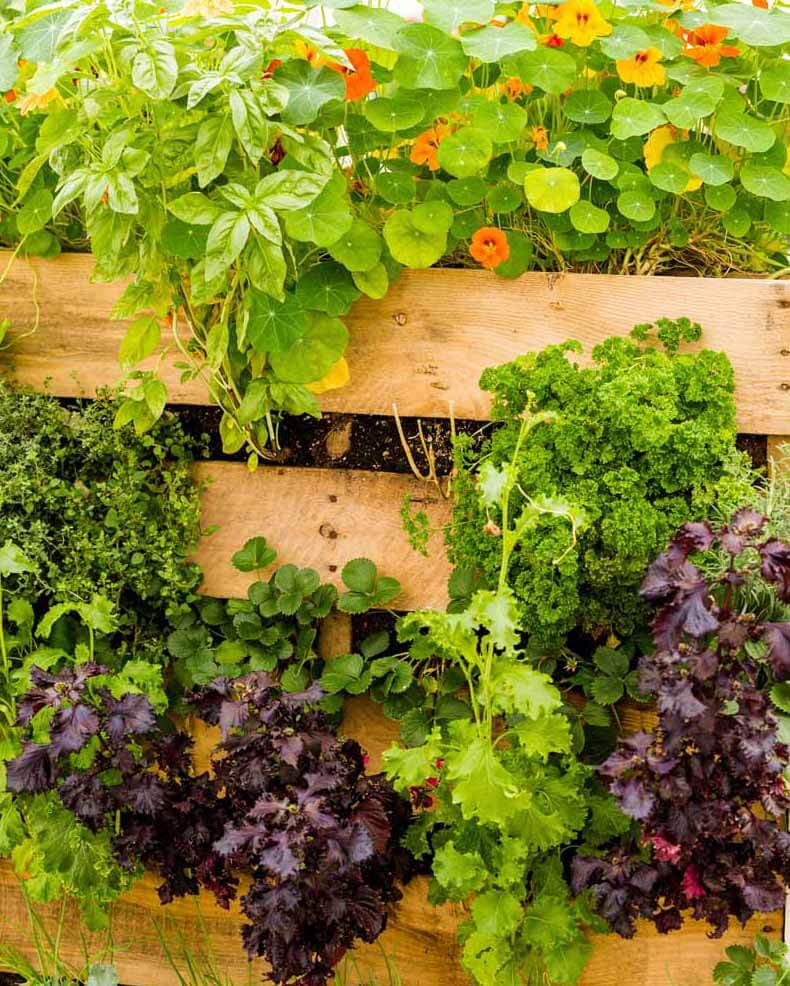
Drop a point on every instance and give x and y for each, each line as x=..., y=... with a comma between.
x=424, y=345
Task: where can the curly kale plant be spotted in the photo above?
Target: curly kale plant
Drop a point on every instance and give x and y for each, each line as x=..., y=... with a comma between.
x=285, y=801
x=710, y=783
x=641, y=441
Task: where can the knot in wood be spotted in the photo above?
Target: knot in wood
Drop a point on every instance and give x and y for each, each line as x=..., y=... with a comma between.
x=327, y=531
x=400, y=318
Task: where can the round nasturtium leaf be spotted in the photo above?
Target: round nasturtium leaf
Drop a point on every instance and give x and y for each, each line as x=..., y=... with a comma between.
x=547, y=69
x=552, y=189
x=35, y=213
x=320, y=345
x=754, y=26
x=625, y=41
x=180, y=239
x=636, y=206
x=308, y=90
x=327, y=287
x=375, y=25
x=358, y=249
x=449, y=15
x=777, y=215
x=737, y=222
x=698, y=99
x=635, y=117
x=588, y=218
x=517, y=171
x=743, y=130
x=669, y=176
x=374, y=282
x=411, y=246
x=519, y=258
x=274, y=326
x=397, y=187
x=765, y=182
x=775, y=82
x=429, y=59
x=433, y=215
x=391, y=115
x=501, y=122
x=720, y=197
x=325, y=219
x=713, y=169
x=599, y=165
x=467, y=191
x=466, y=152
x=504, y=197
x=492, y=44
x=588, y=106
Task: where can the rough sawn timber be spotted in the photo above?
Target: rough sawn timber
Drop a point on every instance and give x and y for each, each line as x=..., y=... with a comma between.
x=423, y=346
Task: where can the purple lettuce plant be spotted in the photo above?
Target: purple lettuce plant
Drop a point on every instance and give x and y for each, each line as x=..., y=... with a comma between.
x=286, y=803
x=707, y=785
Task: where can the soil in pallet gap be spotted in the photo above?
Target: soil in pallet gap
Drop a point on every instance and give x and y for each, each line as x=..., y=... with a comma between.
x=367, y=441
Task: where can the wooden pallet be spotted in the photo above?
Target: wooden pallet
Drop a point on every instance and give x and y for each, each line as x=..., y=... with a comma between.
x=423, y=348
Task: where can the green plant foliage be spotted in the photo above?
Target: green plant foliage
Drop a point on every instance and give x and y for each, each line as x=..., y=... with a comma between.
x=95, y=510
x=239, y=163
x=766, y=963
x=641, y=442
x=97, y=529
x=502, y=793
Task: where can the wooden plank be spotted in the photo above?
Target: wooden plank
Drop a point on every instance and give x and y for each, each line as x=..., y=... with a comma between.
x=319, y=518
x=424, y=345
x=421, y=939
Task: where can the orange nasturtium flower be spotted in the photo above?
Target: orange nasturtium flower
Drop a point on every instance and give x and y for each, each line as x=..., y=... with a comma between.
x=36, y=101
x=653, y=150
x=359, y=81
x=580, y=21
x=489, y=247
x=762, y=4
x=540, y=138
x=207, y=8
x=10, y=96
x=705, y=45
x=514, y=87
x=426, y=146
x=643, y=69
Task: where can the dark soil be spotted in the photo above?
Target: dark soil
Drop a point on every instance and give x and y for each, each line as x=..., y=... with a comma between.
x=366, y=441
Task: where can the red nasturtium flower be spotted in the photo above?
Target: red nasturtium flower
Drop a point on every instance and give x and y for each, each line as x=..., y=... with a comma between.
x=271, y=68
x=10, y=96
x=489, y=247
x=426, y=146
x=705, y=45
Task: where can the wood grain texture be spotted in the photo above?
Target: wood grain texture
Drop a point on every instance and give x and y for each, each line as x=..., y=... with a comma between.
x=319, y=518
x=424, y=345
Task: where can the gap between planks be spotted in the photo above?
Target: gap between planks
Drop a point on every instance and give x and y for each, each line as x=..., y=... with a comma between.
x=424, y=345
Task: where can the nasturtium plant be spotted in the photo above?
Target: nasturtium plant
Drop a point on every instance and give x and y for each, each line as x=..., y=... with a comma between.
x=254, y=174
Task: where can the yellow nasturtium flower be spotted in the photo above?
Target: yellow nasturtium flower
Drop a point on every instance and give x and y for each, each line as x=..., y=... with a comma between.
x=580, y=22
x=338, y=376
x=643, y=69
x=36, y=101
x=653, y=150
